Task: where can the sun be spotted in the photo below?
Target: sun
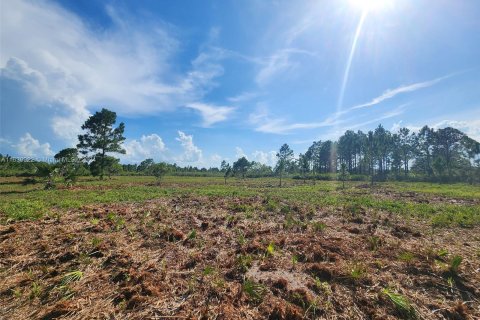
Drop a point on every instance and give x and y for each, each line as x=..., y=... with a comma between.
x=371, y=5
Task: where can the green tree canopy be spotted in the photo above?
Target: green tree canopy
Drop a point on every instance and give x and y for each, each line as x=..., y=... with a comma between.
x=101, y=138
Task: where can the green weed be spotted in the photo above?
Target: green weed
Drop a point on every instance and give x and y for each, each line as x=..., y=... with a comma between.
x=255, y=291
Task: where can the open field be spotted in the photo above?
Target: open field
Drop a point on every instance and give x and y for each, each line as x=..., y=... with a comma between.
x=191, y=248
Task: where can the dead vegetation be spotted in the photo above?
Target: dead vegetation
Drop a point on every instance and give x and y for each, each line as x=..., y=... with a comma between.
x=198, y=257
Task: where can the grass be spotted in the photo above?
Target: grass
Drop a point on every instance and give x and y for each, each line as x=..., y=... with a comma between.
x=254, y=291
x=28, y=202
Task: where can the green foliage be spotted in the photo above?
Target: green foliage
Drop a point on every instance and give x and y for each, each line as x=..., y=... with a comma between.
x=96, y=242
x=159, y=170
x=208, y=270
x=35, y=290
x=23, y=209
x=244, y=262
x=101, y=138
x=255, y=291
x=455, y=264
x=318, y=226
x=284, y=160
x=192, y=234
x=241, y=166
x=401, y=303
x=406, y=256
x=71, y=277
x=140, y=188
x=357, y=271
x=374, y=242
x=270, y=251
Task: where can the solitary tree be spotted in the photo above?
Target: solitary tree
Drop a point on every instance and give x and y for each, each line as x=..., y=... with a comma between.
x=284, y=157
x=101, y=138
x=343, y=174
x=226, y=169
x=159, y=170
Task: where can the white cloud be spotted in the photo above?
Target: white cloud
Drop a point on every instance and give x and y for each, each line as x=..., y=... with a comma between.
x=148, y=146
x=54, y=66
x=239, y=153
x=390, y=93
x=279, y=62
x=216, y=159
x=470, y=127
x=269, y=158
x=30, y=147
x=265, y=123
x=191, y=153
x=244, y=96
x=210, y=113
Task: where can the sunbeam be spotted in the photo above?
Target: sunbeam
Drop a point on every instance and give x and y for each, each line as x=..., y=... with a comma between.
x=348, y=65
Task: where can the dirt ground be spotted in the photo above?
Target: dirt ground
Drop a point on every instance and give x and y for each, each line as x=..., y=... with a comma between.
x=195, y=257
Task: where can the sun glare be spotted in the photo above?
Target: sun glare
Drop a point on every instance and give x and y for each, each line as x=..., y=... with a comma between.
x=371, y=5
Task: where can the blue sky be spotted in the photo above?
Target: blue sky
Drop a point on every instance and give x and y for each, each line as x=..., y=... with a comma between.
x=200, y=81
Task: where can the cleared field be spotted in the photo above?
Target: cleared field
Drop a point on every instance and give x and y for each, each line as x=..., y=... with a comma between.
x=196, y=248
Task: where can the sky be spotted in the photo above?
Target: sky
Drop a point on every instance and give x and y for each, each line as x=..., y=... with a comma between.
x=196, y=82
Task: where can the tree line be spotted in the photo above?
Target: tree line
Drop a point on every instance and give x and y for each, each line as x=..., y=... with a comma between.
x=427, y=154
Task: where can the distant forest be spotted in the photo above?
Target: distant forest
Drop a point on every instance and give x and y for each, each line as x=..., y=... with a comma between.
x=379, y=155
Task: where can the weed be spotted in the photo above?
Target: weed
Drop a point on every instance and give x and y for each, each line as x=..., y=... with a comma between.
x=374, y=243
x=84, y=258
x=401, y=303
x=455, y=264
x=271, y=205
x=357, y=271
x=294, y=261
x=450, y=282
x=442, y=253
x=17, y=293
x=95, y=221
x=318, y=226
x=192, y=234
x=35, y=290
x=270, y=251
x=285, y=209
x=240, y=207
x=244, y=262
x=255, y=291
x=241, y=240
x=208, y=271
x=323, y=286
x=96, y=242
x=354, y=209
x=406, y=257
x=72, y=277
x=118, y=222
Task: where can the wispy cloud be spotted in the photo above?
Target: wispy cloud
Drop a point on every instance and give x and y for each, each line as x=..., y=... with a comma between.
x=390, y=114
x=391, y=93
x=244, y=96
x=279, y=62
x=211, y=113
x=265, y=123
